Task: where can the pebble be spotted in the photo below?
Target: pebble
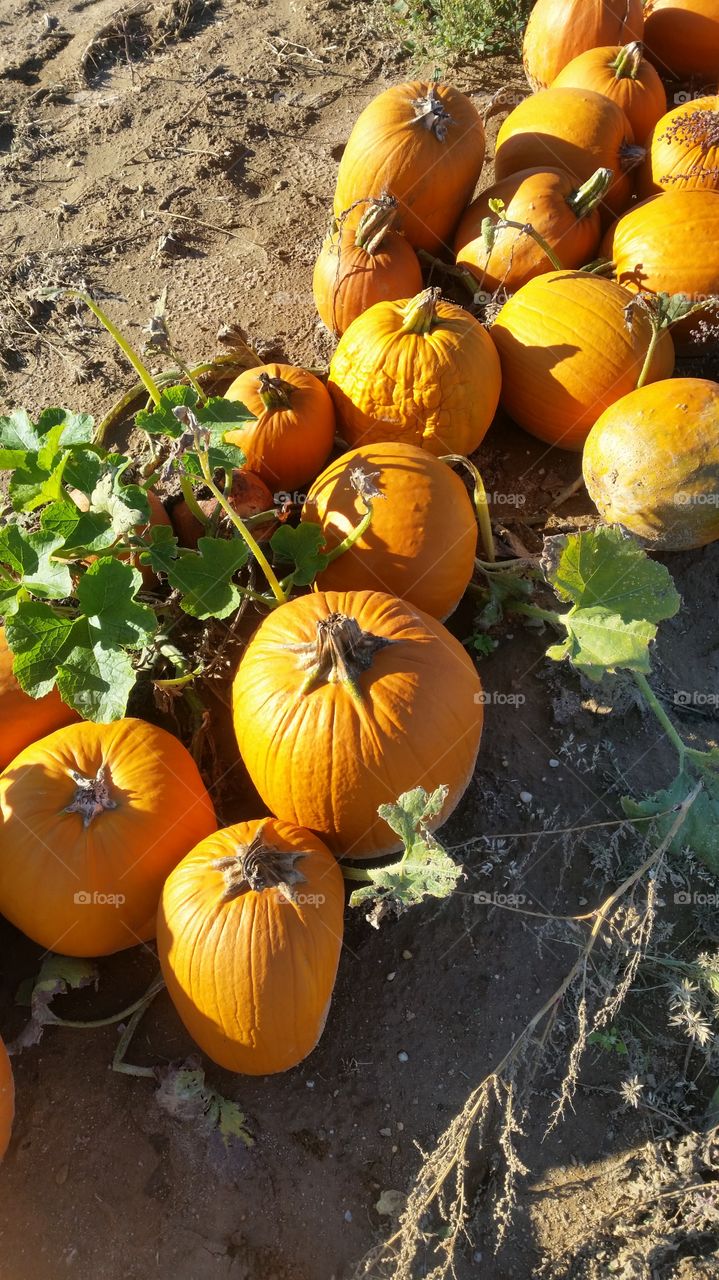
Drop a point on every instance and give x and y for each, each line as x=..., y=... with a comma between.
x=309, y=1084
x=525, y=797
x=553, y=764
x=402, y=1056
x=406, y=955
x=348, y=1215
x=385, y=1133
x=391, y=976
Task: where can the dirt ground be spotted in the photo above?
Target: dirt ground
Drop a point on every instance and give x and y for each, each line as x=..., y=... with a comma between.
x=203, y=159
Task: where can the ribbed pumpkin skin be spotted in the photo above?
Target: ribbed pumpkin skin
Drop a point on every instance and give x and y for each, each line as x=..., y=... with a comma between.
x=677, y=162
x=682, y=36
x=25, y=719
x=252, y=977
x=7, y=1100
x=669, y=244
x=432, y=179
x=422, y=540
x=439, y=390
x=559, y=30
x=286, y=447
x=575, y=129
x=325, y=760
x=567, y=354
x=49, y=856
x=364, y=278
x=651, y=463
x=642, y=98
x=538, y=196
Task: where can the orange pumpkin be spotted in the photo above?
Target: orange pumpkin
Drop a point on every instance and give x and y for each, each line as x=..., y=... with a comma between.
x=422, y=539
x=559, y=30
x=292, y=435
x=423, y=144
x=249, y=497
x=94, y=818
x=422, y=371
x=7, y=1100
x=343, y=701
x=622, y=73
x=359, y=266
x=670, y=244
x=567, y=353
x=683, y=150
x=249, y=933
x=573, y=129
x=25, y=719
x=651, y=463
x=566, y=216
x=682, y=36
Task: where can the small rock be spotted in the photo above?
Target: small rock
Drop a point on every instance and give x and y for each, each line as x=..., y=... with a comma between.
x=406, y=955
x=385, y=1133
x=348, y=1215
x=553, y=764
x=309, y=1084
x=526, y=797
x=402, y=1056
x=391, y=976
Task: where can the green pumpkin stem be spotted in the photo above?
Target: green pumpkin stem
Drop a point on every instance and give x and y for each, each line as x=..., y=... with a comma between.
x=628, y=61
x=259, y=866
x=275, y=393
x=585, y=199
x=375, y=223
x=92, y=795
x=420, y=313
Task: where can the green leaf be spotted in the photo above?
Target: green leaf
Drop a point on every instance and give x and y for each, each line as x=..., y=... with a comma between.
x=161, y=420
x=32, y=484
x=162, y=550
x=700, y=829
x=126, y=505
x=106, y=594
x=604, y=567
x=38, y=637
x=57, y=976
x=205, y=577
x=30, y=556
x=301, y=547
x=95, y=678
x=599, y=641
x=80, y=531
x=229, y=415
x=83, y=469
x=76, y=428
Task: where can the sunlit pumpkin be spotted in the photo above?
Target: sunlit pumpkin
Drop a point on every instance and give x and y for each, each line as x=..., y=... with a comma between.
x=565, y=215
x=559, y=30
x=291, y=437
x=423, y=144
x=94, y=818
x=422, y=371
x=25, y=719
x=682, y=37
x=422, y=538
x=651, y=463
x=344, y=700
x=7, y=1100
x=249, y=933
x=683, y=150
x=568, y=352
x=622, y=73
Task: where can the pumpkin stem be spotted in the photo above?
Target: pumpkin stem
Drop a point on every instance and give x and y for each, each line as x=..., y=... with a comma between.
x=627, y=64
x=340, y=653
x=92, y=796
x=631, y=155
x=259, y=866
x=432, y=114
x=420, y=312
x=375, y=223
x=275, y=393
x=585, y=199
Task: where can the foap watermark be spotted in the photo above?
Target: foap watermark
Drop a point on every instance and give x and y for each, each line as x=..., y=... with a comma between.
x=695, y=698
x=496, y=699
x=295, y=899
x=683, y=898
x=488, y=898
x=283, y=498
x=507, y=499
x=685, y=499
x=84, y=898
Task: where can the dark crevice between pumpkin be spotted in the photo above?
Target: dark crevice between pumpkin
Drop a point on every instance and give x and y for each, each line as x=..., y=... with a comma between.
x=275, y=393
x=92, y=795
x=340, y=653
x=259, y=866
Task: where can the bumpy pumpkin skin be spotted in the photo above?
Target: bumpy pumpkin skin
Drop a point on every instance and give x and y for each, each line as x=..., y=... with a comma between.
x=651, y=464
x=7, y=1100
x=251, y=976
x=567, y=354
x=25, y=719
x=431, y=176
x=438, y=388
x=49, y=856
x=559, y=30
x=635, y=87
x=683, y=150
x=682, y=37
x=323, y=756
x=289, y=443
x=576, y=129
x=537, y=196
x=422, y=540
x=350, y=277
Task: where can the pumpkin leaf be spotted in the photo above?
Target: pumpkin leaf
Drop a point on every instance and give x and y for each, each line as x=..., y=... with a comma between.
x=161, y=420
x=106, y=594
x=58, y=975
x=29, y=556
x=95, y=677
x=39, y=637
x=599, y=641
x=205, y=577
x=126, y=505
x=301, y=547
x=161, y=550
x=184, y=1093
x=80, y=531
x=700, y=829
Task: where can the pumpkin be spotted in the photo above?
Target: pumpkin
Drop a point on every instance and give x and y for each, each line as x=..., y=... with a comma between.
x=651, y=463
x=249, y=933
x=422, y=539
x=566, y=216
x=293, y=432
x=343, y=701
x=359, y=266
x=683, y=150
x=568, y=353
x=559, y=30
x=670, y=244
x=158, y=516
x=423, y=144
x=682, y=36
x=573, y=129
x=622, y=73
x=7, y=1100
x=25, y=719
x=95, y=816
x=249, y=497
x=422, y=371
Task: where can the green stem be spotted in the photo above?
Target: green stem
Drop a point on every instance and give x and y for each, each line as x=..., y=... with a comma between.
x=481, y=506
x=529, y=230
x=123, y=1044
x=353, y=536
x=646, y=367
x=628, y=61
x=156, y=985
x=355, y=873
x=192, y=502
x=534, y=611
x=586, y=198
x=655, y=705
x=127, y=349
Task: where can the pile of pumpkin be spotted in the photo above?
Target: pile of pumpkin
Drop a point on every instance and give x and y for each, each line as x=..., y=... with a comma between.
x=355, y=692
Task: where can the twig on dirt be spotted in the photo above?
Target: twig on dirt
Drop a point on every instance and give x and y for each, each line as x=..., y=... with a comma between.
x=209, y=226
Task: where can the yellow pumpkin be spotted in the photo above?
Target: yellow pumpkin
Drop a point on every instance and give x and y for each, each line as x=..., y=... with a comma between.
x=683, y=150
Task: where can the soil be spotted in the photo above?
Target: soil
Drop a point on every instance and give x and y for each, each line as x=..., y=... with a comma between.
x=201, y=158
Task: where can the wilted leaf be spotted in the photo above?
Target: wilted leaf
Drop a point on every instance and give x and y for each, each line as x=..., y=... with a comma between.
x=58, y=975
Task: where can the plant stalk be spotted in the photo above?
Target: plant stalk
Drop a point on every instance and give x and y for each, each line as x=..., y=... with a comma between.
x=481, y=505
